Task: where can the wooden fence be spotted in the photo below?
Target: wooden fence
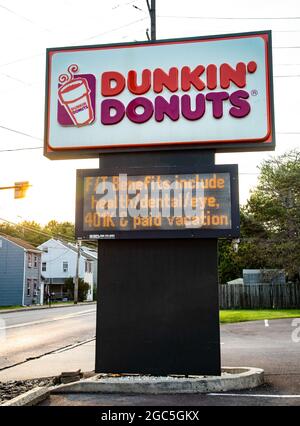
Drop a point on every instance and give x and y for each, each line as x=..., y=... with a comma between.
x=259, y=296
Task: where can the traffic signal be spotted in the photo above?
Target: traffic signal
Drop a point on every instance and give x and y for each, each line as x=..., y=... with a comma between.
x=21, y=189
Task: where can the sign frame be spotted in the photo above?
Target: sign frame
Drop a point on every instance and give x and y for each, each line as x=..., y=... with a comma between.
x=83, y=152
x=233, y=232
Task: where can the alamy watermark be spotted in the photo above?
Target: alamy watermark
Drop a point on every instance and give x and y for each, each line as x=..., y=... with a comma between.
x=296, y=332
x=189, y=198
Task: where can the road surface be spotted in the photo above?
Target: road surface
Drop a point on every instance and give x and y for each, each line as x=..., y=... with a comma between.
x=271, y=345
x=34, y=333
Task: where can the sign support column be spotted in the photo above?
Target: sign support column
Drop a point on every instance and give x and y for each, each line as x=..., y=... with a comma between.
x=158, y=310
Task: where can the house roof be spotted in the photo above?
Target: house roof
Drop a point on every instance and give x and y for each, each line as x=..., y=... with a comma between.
x=90, y=252
x=236, y=281
x=83, y=252
x=21, y=243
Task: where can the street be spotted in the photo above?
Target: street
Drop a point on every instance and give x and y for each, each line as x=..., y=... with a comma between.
x=264, y=344
x=34, y=333
x=268, y=345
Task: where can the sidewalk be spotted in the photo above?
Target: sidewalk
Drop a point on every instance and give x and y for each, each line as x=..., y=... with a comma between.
x=37, y=308
x=80, y=356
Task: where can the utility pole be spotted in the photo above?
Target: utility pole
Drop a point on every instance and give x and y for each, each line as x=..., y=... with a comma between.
x=76, y=281
x=152, y=12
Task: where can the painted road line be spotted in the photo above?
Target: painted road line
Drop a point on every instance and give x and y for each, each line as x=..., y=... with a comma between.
x=252, y=395
x=70, y=316
x=266, y=323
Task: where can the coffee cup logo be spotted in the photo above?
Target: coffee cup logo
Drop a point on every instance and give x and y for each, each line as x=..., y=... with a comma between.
x=74, y=95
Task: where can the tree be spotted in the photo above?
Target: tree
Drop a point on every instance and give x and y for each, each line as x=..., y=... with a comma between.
x=83, y=289
x=275, y=204
x=60, y=229
x=36, y=234
x=276, y=200
x=27, y=230
x=250, y=254
x=270, y=222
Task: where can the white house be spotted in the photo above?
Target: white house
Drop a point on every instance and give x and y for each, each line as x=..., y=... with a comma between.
x=59, y=262
x=93, y=253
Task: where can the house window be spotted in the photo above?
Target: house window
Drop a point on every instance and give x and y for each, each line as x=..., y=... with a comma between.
x=44, y=266
x=35, y=287
x=88, y=267
x=35, y=263
x=65, y=266
x=45, y=249
x=28, y=287
x=29, y=260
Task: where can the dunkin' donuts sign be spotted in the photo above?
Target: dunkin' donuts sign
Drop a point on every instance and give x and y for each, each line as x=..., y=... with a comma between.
x=213, y=92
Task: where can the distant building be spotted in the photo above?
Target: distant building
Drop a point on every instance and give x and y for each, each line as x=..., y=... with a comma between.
x=59, y=262
x=238, y=281
x=260, y=276
x=264, y=276
x=20, y=272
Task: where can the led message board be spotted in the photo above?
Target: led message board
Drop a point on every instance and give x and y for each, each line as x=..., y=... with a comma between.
x=164, y=205
x=210, y=92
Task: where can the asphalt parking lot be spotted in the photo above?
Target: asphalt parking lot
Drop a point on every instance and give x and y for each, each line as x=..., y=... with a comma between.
x=271, y=345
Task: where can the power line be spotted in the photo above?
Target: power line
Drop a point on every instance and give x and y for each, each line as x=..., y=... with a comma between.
x=64, y=239
x=287, y=76
x=288, y=133
x=231, y=17
x=75, y=42
x=41, y=147
x=56, y=234
x=132, y=23
x=21, y=149
x=16, y=79
x=285, y=47
x=21, y=59
x=47, y=234
x=23, y=17
x=122, y=5
x=20, y=133
x=36, y=231
x=248, y=173
x=58, y=257
x=114, y=29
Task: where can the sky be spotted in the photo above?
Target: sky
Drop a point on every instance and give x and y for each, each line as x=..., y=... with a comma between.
x=28, y=28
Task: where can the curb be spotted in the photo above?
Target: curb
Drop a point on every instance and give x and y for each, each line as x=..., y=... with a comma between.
x=232, y=379
x=8, y=311
x=32, y=397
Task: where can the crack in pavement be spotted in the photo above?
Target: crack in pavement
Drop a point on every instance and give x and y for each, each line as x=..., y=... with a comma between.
x=59, y=350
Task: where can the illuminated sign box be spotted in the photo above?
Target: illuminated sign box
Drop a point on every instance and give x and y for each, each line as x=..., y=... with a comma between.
x=210, y=92
x=201, y=204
